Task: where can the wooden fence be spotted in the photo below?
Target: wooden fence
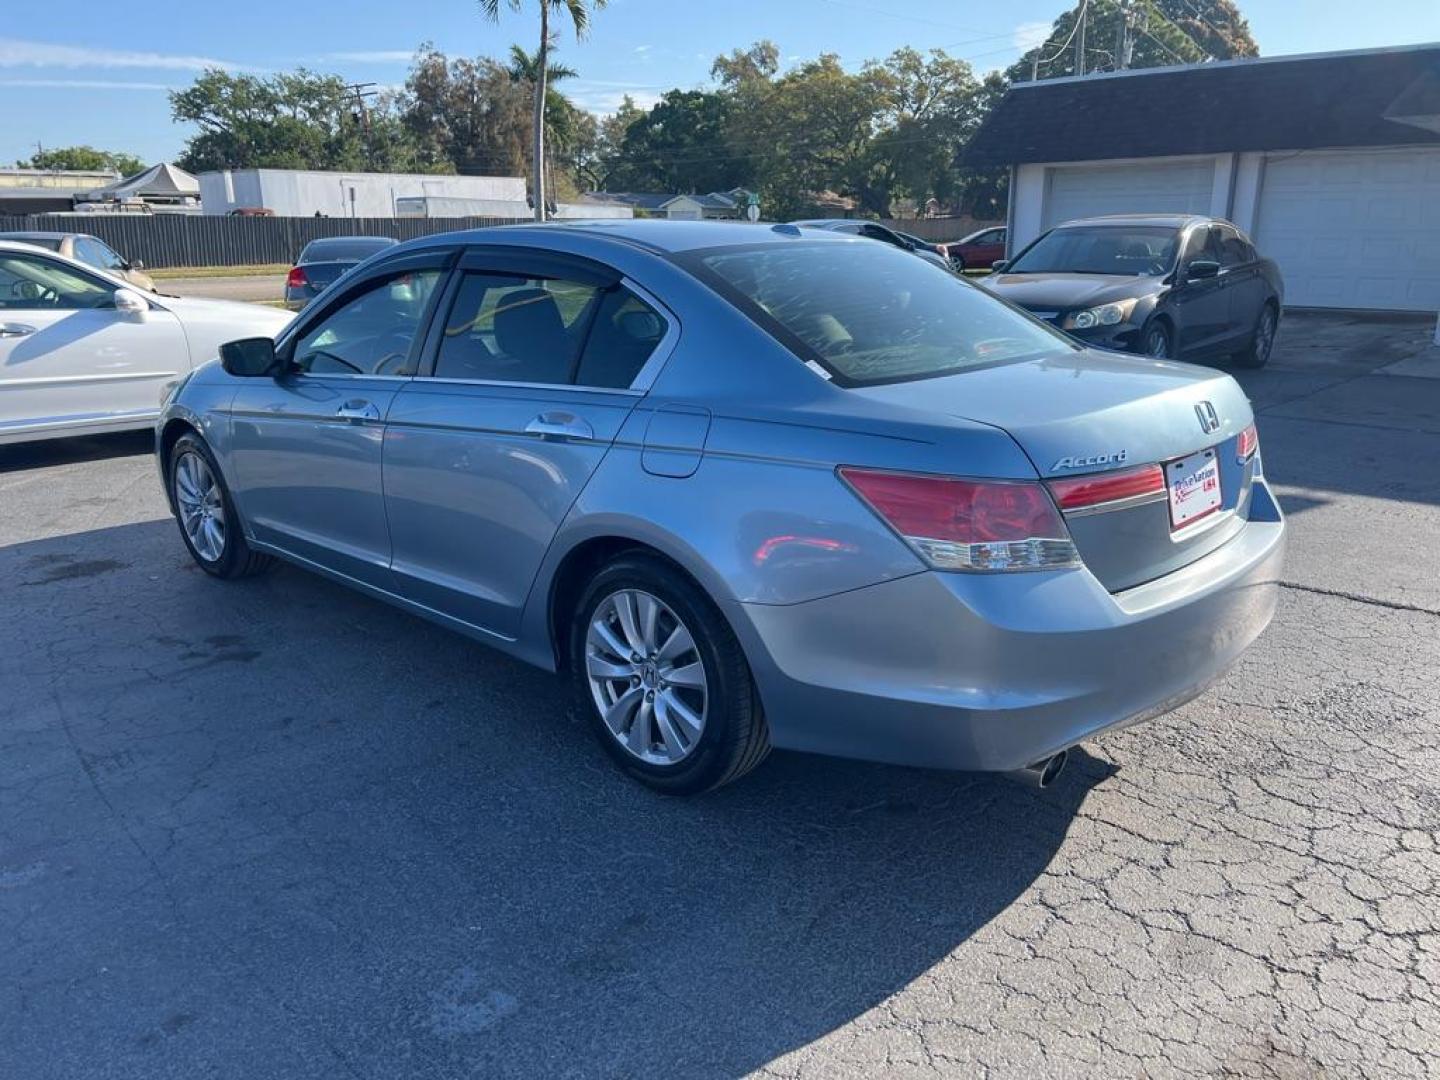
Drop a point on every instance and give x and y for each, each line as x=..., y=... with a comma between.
x=168, y=240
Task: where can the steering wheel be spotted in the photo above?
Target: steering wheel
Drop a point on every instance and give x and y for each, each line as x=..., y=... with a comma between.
x=34, y=292
x=393, y=349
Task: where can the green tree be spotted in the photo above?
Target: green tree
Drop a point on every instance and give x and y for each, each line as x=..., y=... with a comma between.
x=465, y=115
x=1160, y=32
x=679, y=146
x=294, y=120
x=84, y=159
x=579, y=12
x=566, y=126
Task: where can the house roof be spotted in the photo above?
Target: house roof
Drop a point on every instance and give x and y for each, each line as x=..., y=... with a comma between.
x=1369, y=98
x=644, y=200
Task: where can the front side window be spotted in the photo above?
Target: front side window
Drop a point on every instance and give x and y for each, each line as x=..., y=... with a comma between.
x=371, y=333
x=868, y=313
x=28, y=282
x=95, y=253
x=1133, y=251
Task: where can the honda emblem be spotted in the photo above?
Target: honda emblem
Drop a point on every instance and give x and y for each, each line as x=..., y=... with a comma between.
x=1209, y=418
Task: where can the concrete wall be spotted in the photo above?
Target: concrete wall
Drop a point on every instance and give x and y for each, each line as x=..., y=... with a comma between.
x=297, y=193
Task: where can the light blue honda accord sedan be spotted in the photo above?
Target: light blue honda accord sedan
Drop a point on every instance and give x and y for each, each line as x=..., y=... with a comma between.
x=749, y=486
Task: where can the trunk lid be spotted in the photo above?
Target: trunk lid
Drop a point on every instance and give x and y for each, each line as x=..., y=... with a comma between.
x=1092, y=412
x=319, y=275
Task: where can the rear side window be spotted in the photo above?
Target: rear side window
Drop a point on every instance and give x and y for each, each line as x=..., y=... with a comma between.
x=870, y=313
x=508, y=328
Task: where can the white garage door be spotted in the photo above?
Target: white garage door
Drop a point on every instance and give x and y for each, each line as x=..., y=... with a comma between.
x=1085, y=190
x=1354, y=230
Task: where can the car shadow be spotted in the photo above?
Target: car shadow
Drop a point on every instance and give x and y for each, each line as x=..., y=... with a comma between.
x=416, y=845
x=74, y=450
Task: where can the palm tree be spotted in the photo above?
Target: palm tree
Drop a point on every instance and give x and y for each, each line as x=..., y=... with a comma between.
x=579, y=12
x=524, y=68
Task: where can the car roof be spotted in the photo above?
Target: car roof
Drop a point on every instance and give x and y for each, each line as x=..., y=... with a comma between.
x=1166, y=221
x=352, y=239
x=37, y=234
x=662, y=236
x=94, y=271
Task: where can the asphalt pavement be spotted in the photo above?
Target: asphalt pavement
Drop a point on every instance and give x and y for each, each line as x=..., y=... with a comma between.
x=276, y=829
x=256, y=288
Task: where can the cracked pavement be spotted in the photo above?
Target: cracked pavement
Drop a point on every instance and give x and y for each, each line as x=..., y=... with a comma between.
x=276, y=829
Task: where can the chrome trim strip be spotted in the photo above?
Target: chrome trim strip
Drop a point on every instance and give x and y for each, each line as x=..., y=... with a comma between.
x=564, y=387
x=1117, y=504
x=75, y=380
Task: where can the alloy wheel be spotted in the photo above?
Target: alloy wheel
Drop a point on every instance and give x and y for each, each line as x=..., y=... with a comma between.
x=1157, y=343
x=1265, y=335
x=202, y=508
x=646, y=677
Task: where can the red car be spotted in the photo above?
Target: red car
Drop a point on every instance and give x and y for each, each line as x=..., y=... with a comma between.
x=978, y=250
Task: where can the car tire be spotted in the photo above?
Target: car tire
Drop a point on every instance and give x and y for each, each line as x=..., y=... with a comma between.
x=957, y=263
x=206, y=515
x=1158, y=340
x=652, y=736
x=1262, y=340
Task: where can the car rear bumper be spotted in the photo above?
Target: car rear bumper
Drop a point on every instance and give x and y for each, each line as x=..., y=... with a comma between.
x=996, y=671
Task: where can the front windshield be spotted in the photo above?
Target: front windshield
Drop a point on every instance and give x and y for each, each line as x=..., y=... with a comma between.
x=1127, y=250
x=871, y=313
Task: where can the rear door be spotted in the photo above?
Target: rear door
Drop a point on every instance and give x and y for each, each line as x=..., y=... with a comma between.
x=69, y=359
x=530, y=372
x=306, y=447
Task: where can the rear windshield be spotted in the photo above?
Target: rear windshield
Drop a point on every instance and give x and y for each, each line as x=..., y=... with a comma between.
x=1130, y=250
x=871, y=313
x=345, y=249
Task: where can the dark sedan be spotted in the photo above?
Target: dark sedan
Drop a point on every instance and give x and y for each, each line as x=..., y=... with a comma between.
x=322, y=261
x=1168, y=285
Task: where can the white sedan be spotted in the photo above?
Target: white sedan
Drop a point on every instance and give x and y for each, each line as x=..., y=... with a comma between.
x=82, y=352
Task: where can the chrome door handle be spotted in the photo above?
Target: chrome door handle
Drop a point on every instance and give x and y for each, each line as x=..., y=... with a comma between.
x=15, y=329
x=560, y=425
x=358, y=410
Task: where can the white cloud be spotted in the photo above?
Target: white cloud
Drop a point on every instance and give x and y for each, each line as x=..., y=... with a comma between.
x=643, y=49
x=605, y=98
x=15, y=52
x=372, y=56
x=1030, y=34
x=85, y=84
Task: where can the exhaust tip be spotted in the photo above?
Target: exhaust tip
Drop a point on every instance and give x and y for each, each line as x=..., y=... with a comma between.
x=1042, y=773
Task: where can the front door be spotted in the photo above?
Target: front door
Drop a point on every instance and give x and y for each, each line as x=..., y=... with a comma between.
x=527, y=386
x=69, y=359
x=1201, y=305
x=305, y=447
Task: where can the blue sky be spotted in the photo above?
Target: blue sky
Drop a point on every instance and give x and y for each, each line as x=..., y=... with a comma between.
x=80, y=72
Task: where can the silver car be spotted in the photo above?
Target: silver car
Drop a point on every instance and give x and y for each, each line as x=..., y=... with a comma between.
x=748, y=486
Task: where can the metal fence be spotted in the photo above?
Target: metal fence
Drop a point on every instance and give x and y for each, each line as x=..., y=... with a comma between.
x=167, y=240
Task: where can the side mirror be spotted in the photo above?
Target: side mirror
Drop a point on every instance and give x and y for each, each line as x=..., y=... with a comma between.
x=1201, y=269
x=1000, y=265
x=250, y=358
x=131, y=304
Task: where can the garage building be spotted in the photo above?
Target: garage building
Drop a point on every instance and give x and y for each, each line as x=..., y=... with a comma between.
x=1331, y=162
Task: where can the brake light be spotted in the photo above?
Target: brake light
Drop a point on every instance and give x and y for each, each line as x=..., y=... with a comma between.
x=1086, y=492
x=956, y=524
x=296, y=278
x=1247, y=443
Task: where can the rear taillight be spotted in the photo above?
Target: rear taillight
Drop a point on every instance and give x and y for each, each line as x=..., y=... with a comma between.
x=1101, y=489
x=1247, y=443
x=296, y=279
x=956, y=524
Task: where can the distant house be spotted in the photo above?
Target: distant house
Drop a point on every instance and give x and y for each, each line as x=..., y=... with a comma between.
x=47, y=191
x=716, y=205
x=1331, y=162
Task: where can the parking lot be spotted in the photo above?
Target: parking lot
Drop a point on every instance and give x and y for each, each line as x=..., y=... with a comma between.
x=276, y=829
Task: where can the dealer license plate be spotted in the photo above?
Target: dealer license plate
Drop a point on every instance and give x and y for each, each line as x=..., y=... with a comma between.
x=1194, y=485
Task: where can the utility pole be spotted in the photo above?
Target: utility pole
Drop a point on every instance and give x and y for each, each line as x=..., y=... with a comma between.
x=1125, y=40
x=362, y=92
x=1080, y=39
